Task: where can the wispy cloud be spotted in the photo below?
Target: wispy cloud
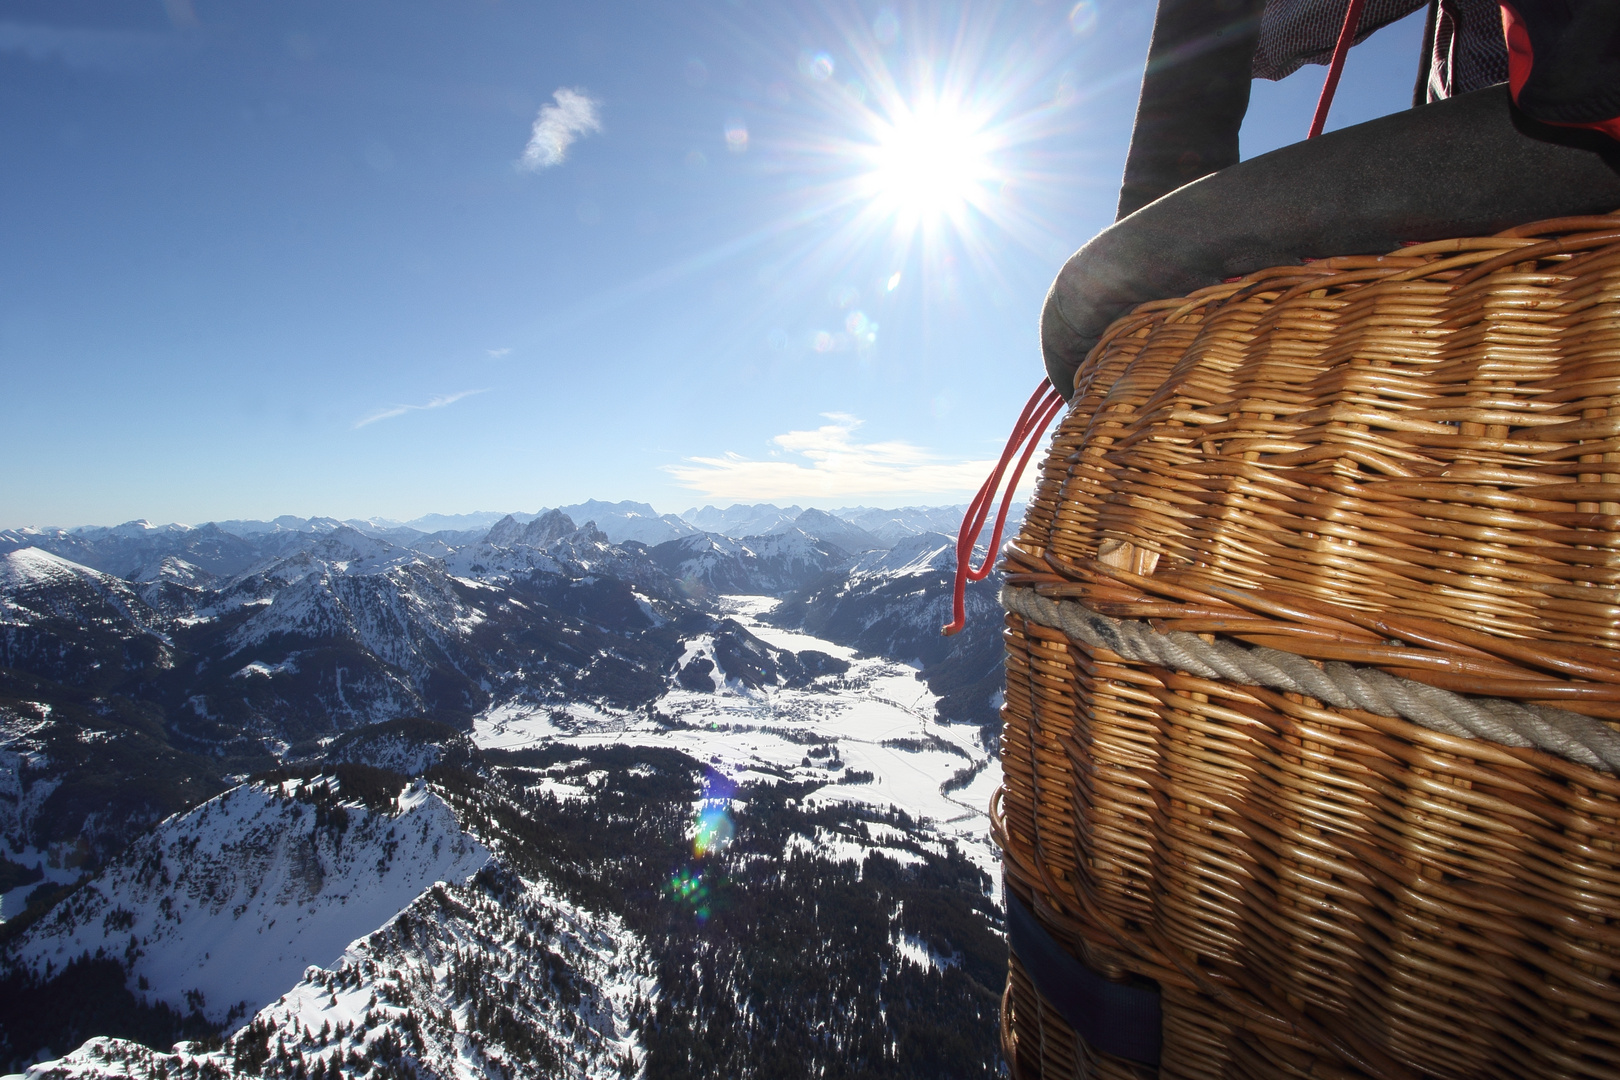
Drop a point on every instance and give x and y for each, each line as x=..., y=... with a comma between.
x=830, y=463
x=555, y=129
x=400, y=410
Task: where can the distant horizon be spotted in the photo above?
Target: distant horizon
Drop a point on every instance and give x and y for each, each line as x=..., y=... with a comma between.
x=492, y=515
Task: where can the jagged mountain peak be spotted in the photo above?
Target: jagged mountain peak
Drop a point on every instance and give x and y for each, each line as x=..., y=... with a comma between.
x=624, y=521
x=539, y=532
x=549, y=527
x=504, y=531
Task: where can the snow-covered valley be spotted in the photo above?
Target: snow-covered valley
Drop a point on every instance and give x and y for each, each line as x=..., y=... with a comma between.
x=870, y=734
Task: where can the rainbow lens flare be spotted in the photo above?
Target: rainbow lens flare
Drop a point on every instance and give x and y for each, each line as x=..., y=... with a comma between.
x=714, y=830
x=688, y=888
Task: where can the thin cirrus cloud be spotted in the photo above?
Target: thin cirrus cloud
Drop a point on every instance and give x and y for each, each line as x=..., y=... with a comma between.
x=400, y=410
x=558, y=126
x=829, y=463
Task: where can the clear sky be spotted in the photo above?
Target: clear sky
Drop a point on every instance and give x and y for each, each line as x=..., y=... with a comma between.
x=358, y=258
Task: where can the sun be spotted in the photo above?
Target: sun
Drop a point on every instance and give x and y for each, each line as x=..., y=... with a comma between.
x=930, y=162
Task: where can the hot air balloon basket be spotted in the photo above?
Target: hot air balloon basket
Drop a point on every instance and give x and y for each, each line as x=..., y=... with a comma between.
x=1313, y=679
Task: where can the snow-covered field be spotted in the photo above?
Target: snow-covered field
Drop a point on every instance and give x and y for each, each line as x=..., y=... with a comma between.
x=870, y=731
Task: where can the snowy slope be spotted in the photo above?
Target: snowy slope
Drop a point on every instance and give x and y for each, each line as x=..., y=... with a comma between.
x=34, y=583
x=223, y=907
x=827, y=529
x=910, y=556
x=550, y=989
x=575, y=985
x=397, y=611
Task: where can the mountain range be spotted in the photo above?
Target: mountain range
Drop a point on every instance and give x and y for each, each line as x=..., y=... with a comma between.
x=269, y=741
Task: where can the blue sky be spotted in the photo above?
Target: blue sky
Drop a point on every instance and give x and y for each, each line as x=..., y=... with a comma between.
x=259, y=259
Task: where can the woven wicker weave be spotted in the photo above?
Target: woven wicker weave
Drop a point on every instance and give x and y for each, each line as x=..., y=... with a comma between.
x=1407, y=464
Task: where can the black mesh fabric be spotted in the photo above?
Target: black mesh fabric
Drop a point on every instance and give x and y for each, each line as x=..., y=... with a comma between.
x=1298, y=32
x=1469, y=53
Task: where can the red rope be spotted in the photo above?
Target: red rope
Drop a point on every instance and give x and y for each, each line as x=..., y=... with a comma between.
x=1341, y=49
x=1043, y=404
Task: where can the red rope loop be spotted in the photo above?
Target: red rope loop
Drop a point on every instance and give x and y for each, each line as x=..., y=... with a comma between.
x=1043, y=404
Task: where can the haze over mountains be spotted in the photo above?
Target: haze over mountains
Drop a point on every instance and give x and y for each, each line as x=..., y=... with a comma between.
x=684, y=735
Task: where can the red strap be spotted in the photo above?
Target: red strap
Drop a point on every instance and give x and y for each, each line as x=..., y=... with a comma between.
x=1347, y=37
x=1043, y=404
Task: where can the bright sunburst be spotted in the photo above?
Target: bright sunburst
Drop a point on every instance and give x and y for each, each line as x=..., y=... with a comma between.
x=930, y=149
x=918, y=156
x=930, y=162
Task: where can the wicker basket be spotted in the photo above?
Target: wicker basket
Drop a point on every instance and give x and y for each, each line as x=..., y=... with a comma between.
x=1312, y=661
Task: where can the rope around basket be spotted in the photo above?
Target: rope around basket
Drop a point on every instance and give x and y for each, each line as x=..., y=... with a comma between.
x=1569, y=735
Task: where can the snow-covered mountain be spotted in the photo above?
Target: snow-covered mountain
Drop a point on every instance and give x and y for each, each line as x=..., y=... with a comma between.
x=705, y=565
x=663, y=756
x=623, y=521
x=569, y=1001
x=741, y=519
x=221, y=909
x=892, y=526
x=37, y=586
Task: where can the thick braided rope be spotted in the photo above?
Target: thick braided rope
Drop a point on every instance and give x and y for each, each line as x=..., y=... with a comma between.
x=1569, y=735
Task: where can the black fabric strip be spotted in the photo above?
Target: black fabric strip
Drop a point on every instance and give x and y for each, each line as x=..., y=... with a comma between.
x=1122, y=1020
x=1195, y=91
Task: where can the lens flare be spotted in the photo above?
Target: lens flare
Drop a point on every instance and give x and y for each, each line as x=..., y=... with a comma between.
x=714, y=833
x=694, y=887
x=816, y=65
x=688, y=888
x=713, y=830
x=1083, y=18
